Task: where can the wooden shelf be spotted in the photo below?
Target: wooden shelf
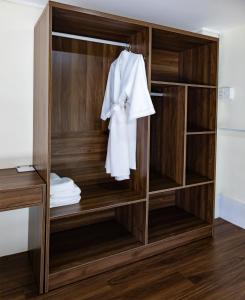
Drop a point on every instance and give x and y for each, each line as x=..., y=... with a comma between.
x=89, y=243
x=159, y=82
x=97, y=197
x=194, y=178
x=171, y=221
x=160, y=183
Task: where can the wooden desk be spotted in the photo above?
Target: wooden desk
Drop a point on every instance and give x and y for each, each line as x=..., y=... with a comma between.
x=27, y=190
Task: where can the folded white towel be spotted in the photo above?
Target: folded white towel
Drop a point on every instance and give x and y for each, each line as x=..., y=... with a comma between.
x=54, y=176
x=54, y=202
x=67, y=196
x=68, y=193
x=61, y=185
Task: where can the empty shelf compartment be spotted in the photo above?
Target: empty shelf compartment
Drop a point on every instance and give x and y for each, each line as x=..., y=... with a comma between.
x=201, y=110
x=96, y=236
x=200, y=158
x=177, y=212
x=191, y=60
x=167, y=137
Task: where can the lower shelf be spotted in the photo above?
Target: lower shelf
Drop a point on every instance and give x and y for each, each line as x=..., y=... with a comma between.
x=89, y=243
x=195, y=178
x=170, y=221
x=159, y=182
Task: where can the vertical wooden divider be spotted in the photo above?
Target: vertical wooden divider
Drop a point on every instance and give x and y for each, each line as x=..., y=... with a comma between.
x=148, y=138
x=185, y=136
x=142, y=43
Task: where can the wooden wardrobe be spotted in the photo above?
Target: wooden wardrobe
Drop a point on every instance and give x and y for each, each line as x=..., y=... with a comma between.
x=169, y=200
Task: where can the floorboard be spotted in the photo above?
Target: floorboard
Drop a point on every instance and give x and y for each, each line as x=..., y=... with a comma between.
x=208, y=269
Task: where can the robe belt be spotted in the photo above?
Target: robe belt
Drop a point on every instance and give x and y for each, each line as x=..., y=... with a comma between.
x=116, y=108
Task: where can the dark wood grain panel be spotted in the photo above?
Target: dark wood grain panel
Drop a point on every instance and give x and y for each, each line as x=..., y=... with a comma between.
x=167, y=137
x=10, y=179
x=80, y=71
x=200, y=161
x=133, y=218
x=76, y=220
x=165, y=65
x=20, y=198
x=41, y=95
x=201, y=110
x=79, y=140
x=140, y=44
x=162, y=200
x=85, y=24
x=171, y=221
x=198, y=201
x=88, y=243
x=36, y=242
x=175, y=41
x=181, y=58
x=159, y=182
x=23, y=190
x=199, y=65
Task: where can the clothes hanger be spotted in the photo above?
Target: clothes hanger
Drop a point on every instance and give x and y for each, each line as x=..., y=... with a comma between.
x=128, y=48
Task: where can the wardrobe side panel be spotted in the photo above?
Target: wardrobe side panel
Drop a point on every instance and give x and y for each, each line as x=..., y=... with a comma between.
x=41, y=116
x=41, y=95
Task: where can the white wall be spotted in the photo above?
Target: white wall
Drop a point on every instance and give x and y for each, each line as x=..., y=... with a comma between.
x=16, y=69
x=231, y=145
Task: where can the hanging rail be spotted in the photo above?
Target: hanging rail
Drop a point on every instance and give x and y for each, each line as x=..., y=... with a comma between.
x=90, y=39
x=157, y=94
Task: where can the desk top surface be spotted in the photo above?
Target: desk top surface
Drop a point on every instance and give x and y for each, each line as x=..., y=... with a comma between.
x=10, y=179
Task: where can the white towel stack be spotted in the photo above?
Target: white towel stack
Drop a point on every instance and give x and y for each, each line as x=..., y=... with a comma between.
x=63, y=191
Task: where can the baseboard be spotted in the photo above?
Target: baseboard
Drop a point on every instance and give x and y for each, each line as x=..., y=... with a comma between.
x=231, y=210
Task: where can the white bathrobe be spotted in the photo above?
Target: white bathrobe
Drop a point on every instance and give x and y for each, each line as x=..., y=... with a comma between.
x=126, y=99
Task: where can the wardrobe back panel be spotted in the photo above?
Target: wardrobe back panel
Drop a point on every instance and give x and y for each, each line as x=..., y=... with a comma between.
x=167, y=134
x=79, y=136
x=198, y=201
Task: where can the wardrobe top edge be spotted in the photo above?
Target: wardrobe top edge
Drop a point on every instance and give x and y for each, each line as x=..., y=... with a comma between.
x=52, y=4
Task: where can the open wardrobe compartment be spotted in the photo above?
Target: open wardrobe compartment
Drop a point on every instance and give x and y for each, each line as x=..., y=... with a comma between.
x=169, y=199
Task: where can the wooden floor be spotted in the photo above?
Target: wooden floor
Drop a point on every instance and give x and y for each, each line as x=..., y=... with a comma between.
x=208, y=269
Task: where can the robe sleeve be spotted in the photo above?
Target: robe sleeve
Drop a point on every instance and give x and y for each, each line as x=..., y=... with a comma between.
x=108, y=98
x=139, y=100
